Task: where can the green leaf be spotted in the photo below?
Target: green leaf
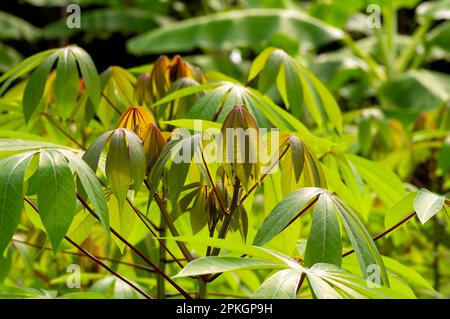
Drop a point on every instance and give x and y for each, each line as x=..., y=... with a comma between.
x=416, y=91
x=438, y=10
x=12, y=172
x=22, y=68
x=211, y=265
x=66, y=83
x=9, y=292
x=400, y=210
x=294, y=91
x=91, y=187
x=298, y=156
x=240, y=248
x=137, y=158
x=56, y=195
x=269, y=72
x=331, y=282
x=98, y=22
x=324, y=241
x=186, y=91
x=284, y=212
x=444, y=155
x=89, y=74
x=15, y=28
x=225, y=30
x=36, y=85
x=92, y=155
x=365, y=248
x=198, y=215
x=118, y=166
x=383, y=181
x=281, y=285
x=427, y=204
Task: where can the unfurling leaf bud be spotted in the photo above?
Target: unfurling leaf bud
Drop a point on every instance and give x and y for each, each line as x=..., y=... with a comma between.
x=136, y=119
x=154, y=142
x=142, y=91
x=151, y=87
x=240, y=143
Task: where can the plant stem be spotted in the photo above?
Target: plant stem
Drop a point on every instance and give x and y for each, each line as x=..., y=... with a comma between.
x=263, y=176
x=186, y=253
x=95, y=259
x=227, y=219
x=408, y=53
x=98, y=261
x=371, y=63
x=138, y=252
x=158, y=238
x=111, y=104
x=202, y=289
x=387, y=231
x=219, y=199
x=115, y=261
x=161, y=289
x=59, y=128
x=390, y=18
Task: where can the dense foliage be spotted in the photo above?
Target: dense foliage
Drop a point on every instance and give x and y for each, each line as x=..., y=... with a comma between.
x=123, y=183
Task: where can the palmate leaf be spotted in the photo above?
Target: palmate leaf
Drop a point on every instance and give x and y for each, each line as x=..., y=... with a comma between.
x=248, y=27
x=331, y=282
x=216, y=104
x=52, y=171
x=297, y=86
x=325, y=243
x=326, y=281
x=56, y=195
x=66, y=83
x=12, y=172
x=125, y=161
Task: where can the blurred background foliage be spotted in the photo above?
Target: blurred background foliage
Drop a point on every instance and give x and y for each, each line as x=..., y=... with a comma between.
x=392, y=83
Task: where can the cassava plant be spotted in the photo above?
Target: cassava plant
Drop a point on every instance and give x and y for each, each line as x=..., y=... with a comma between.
x=165, y=182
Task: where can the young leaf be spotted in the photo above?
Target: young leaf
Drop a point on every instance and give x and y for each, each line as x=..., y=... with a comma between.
x=66, y=83
x=89, y=74
x=137, y=158
x=118, y=167
x=92, y=155
x=56, y=195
